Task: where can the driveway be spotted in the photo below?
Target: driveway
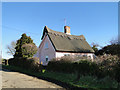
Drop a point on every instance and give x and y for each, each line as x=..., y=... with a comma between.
x=12, y=79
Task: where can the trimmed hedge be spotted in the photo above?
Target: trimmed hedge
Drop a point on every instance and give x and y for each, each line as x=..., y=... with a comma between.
x=82, y=67
x=25, y=63
x=60, y=66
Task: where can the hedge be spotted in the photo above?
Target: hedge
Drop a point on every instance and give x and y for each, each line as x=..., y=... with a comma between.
x=82, y=67
x=25, y=63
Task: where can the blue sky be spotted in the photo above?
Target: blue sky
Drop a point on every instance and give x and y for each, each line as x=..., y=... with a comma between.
x=97, y=21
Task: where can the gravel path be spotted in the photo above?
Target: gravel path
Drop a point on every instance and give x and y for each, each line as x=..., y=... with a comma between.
x=12, y=79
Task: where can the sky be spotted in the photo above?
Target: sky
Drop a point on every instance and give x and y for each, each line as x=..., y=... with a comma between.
x=97, y=21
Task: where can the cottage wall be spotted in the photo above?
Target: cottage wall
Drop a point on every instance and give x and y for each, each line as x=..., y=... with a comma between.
x=61, y=54
x=46, y=52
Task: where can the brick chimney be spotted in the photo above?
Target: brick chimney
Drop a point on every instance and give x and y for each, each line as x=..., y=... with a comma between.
x=67, y=30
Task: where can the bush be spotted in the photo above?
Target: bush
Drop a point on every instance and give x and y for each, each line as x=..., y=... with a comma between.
x=107, y=64
x=116, y=70
x=67, y=65
x=113, y=49
x=60, y=66
x=28, y=50
x=4, y=61
x=25, y=63
x=86, y=67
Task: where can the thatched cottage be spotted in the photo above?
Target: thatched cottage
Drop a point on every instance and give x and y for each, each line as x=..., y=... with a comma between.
x=58, y=44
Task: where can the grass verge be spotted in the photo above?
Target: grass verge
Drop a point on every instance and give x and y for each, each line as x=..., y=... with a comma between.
x=68, y=80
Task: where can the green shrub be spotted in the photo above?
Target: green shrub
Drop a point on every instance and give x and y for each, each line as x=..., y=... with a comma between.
x=26, y=63
x=4, y=61
x=63, y=64
x=73, y=66
x=85, y=66
x=60, y=66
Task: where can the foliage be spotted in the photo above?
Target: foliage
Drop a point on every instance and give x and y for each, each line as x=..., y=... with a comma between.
x=20, y=48
x=113, y=49
x=11, y=48
x=106, y=57
x=28, y=50
x=116, y=70
x=95, y=47
x=72, y=66
x=86, y=67
x=25, y=63
x=61, y=65
x=4, y=61
x=109, y=65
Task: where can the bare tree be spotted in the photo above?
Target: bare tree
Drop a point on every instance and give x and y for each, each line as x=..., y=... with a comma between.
x=94, y=44
x=113, y=41
x=11, y=48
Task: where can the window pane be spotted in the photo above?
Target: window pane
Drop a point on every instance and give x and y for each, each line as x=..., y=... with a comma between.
x=46, y=58
x=46, y=45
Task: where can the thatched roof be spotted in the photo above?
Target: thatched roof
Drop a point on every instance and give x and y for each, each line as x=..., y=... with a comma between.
x=67, y=43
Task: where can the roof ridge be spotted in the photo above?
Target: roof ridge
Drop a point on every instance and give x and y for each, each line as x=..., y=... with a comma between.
x=61, y=33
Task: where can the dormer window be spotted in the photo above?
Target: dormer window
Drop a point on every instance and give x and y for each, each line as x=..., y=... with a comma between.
x=46, y=45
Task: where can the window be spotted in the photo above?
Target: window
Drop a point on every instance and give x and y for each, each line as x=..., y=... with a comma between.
x=84, y=55
x=78, y=55
x=46, y=45
x=66, y=54
x=46, y=58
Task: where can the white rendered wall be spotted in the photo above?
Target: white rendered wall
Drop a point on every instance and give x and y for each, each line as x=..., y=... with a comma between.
x=43, y=52
x=61, y=54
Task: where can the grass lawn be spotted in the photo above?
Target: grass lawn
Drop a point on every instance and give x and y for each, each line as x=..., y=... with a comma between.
x=89, y=82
